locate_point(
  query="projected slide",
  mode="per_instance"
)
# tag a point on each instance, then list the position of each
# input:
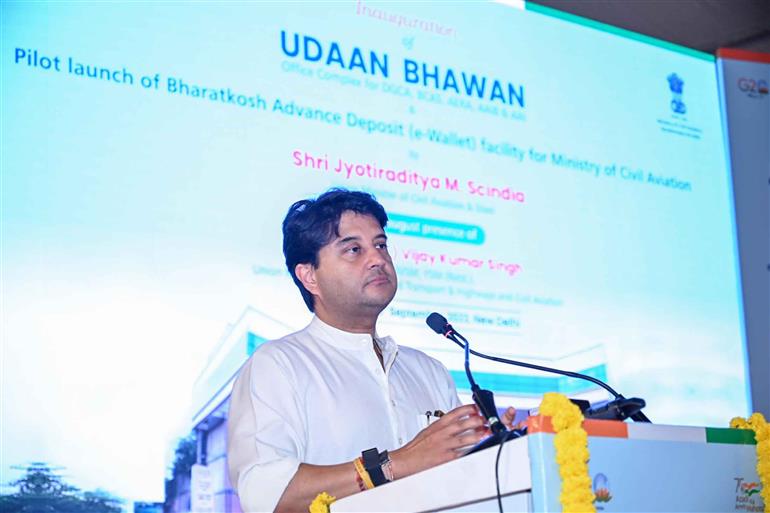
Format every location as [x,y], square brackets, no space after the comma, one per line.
[560,193]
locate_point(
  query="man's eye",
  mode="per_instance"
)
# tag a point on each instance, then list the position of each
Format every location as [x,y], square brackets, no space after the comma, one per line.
[382,245]
[353,249]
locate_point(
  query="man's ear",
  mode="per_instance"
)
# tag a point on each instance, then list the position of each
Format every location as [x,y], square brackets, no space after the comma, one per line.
[306,275]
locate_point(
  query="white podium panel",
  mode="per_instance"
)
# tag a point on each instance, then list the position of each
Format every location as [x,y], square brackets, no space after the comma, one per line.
[460,485]
[633,467]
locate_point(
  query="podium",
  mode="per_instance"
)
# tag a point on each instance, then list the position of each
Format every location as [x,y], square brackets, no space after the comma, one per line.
[633,467]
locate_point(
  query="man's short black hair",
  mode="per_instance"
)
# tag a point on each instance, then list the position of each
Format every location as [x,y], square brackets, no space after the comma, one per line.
[312,224]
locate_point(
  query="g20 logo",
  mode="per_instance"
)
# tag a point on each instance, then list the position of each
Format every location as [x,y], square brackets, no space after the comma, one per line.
[752,87]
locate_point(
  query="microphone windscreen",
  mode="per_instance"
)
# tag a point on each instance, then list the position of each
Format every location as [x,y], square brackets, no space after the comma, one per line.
[437,323]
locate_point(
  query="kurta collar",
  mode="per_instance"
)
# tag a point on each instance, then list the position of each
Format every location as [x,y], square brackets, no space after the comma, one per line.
[355,341]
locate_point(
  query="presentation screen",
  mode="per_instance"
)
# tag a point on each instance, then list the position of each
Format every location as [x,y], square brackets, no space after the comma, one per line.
[559,191]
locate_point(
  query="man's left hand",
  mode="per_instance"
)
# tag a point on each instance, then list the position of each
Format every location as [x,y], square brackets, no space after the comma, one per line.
[508,417]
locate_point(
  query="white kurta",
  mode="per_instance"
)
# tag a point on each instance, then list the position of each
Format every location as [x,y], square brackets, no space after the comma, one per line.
[320,396]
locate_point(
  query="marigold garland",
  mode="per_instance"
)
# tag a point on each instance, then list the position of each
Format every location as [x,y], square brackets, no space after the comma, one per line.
[571,443]
[321,503]
[761,429]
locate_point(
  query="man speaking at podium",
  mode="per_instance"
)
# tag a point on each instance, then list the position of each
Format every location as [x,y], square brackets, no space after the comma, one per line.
[336,407]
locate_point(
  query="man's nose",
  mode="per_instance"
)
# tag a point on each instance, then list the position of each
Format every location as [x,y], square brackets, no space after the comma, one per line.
[377,258]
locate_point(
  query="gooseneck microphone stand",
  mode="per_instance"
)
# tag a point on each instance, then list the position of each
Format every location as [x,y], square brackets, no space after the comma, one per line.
[484,399]
[620,408]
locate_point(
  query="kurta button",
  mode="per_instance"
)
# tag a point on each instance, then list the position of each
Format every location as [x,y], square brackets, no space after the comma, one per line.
[400,440]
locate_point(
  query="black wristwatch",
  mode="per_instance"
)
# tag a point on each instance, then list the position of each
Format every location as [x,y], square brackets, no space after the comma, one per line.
[373,465]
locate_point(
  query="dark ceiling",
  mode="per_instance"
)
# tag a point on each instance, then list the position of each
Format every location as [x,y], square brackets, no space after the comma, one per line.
[701,24]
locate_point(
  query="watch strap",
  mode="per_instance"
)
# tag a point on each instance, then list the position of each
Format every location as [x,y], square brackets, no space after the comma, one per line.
[373,466]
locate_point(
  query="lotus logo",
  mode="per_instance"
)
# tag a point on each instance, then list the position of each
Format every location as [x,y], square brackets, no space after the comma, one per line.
[676,84]
[602,488]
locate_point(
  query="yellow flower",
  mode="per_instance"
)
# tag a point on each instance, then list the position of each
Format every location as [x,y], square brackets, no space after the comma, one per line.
[321,503]
[571,444]
[739,423]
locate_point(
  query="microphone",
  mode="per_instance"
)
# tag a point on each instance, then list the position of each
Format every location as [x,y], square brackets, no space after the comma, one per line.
[439,324]
[620,408]
[484,399]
